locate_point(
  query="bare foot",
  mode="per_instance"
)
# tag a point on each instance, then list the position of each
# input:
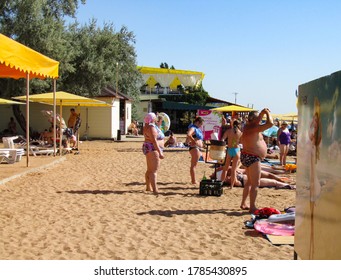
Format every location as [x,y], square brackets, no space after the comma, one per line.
[252,211]
[244,207]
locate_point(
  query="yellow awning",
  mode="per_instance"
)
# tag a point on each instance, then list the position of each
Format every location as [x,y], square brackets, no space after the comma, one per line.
[233,108]
[170,77]
[65,99]
[16,60]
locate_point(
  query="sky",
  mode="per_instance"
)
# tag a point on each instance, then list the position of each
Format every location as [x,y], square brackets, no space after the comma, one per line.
[254,52]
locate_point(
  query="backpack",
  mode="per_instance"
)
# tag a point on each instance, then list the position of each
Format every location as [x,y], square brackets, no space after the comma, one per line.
[77,124]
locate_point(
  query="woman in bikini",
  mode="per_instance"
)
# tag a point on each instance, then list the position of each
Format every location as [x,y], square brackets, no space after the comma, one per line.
[195,139]
[153,150]
[233,135]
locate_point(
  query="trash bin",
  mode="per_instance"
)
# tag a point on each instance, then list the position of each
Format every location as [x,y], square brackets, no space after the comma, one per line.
[118,135]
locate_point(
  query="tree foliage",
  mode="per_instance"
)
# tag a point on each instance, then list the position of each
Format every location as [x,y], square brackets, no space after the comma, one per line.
[101,57]
[90,57]
[38,24]
[165,66]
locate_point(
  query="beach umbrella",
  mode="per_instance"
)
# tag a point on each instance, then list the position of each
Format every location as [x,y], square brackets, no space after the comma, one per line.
[271,132]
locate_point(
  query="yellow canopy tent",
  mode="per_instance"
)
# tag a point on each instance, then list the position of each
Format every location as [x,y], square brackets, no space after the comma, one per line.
[233,108]
[63,98]
[170,77]
[18,61]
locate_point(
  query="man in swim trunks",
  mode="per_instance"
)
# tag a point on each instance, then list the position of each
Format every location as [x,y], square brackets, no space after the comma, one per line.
[254,151]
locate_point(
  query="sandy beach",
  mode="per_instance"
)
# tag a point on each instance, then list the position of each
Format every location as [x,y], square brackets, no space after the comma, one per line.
[92,206]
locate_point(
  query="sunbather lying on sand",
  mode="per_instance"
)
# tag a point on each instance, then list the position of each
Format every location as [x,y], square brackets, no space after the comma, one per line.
[242,181]
[264,174]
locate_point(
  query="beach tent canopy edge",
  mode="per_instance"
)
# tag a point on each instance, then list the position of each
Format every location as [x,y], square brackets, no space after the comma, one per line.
[16,60]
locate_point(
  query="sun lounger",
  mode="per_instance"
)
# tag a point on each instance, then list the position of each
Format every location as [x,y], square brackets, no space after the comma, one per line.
[35,151]
[15,155]
[4,157]
[8,142]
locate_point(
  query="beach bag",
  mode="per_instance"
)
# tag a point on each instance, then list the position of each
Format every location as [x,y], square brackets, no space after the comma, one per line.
[68,132]
[78,123]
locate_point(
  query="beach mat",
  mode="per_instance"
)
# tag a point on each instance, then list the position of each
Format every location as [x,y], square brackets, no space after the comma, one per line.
[280,240]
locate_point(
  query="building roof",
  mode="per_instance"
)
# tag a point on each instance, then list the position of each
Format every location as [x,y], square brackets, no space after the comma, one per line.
[109,91]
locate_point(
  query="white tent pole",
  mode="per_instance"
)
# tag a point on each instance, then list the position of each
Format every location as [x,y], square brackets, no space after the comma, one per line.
[54,119]
[79,112]
[27,119]
[60,127]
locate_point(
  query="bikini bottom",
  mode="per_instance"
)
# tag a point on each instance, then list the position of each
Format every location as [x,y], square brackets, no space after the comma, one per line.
[147,147]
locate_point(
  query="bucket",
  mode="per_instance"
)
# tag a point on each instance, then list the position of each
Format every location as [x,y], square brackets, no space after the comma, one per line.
[217,149]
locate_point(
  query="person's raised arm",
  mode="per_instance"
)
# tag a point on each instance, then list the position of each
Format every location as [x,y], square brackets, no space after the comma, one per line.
[269,121]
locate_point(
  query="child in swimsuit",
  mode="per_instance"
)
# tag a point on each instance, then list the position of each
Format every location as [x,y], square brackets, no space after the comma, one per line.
[195,138]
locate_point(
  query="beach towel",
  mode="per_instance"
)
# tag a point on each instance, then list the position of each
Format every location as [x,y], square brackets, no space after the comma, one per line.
[266,227]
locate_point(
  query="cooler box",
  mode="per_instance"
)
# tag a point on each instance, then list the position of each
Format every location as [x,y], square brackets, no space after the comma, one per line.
[211,188]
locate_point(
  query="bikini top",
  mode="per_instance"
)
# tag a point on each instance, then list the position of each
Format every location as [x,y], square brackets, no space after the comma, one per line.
[197,132]
[160,134]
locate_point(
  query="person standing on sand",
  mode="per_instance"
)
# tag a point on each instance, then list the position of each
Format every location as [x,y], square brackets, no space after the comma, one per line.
[72,119]
[233,135]
[284,139]
[152,149]
[254,151]
[195,139]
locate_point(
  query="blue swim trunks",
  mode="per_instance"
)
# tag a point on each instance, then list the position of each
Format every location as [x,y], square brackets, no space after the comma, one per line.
[232,152]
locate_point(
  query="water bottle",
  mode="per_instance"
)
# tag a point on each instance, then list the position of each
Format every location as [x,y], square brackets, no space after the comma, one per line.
[204,177]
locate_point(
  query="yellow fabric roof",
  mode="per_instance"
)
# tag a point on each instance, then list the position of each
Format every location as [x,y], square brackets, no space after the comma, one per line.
[154,70]
[65,99]
[233,108]
[170,77]
[16,60]
[8,102]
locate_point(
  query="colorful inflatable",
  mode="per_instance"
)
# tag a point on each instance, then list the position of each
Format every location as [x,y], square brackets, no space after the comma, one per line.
[267,227]
[165,122]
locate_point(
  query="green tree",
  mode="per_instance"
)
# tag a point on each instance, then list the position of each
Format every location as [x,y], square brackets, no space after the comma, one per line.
[38,24]
[164,65]
[101,57]
[90,57]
